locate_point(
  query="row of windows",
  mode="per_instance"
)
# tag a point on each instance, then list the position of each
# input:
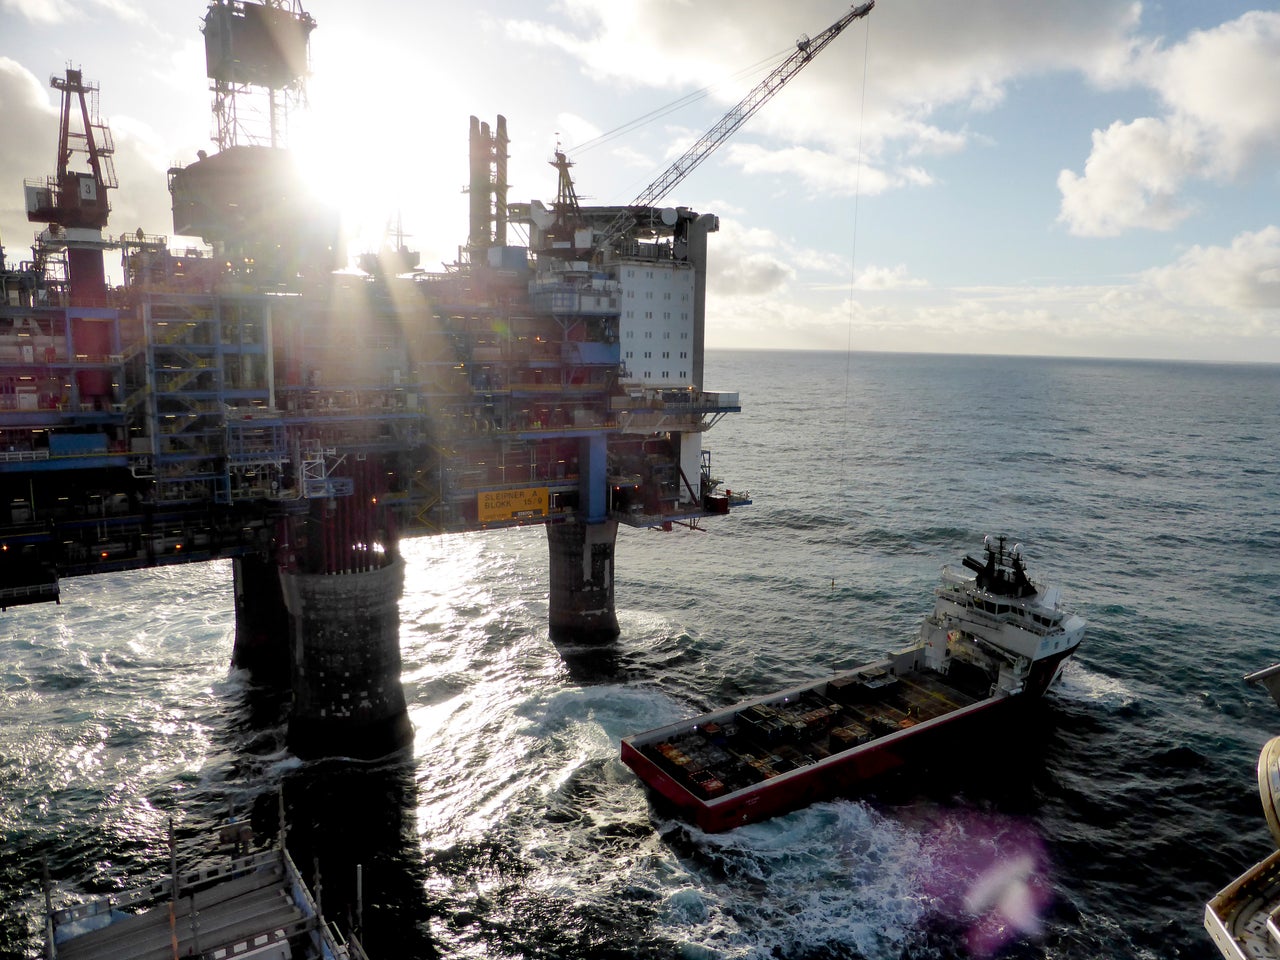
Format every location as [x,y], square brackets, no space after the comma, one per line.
[666,375]
[999,609]
[650,274]
[648,335]
[648,295]
[666,354]
[666,315]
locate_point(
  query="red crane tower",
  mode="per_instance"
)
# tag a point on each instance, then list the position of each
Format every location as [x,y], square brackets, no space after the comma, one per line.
[73,203]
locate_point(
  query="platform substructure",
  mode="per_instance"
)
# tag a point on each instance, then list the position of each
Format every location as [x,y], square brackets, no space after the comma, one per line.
[262,621]
[581,595]
[345,653]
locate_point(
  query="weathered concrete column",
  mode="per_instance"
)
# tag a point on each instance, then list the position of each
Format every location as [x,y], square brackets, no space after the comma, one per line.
[262,621]
[581,599]
[345,654]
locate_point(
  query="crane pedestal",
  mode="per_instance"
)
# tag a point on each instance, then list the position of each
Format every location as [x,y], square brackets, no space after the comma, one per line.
[581,597]
[345,658]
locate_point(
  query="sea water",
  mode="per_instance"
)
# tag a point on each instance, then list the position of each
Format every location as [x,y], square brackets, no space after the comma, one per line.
[1095,827]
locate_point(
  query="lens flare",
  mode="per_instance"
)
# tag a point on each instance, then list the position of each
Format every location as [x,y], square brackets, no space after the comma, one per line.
[990,875]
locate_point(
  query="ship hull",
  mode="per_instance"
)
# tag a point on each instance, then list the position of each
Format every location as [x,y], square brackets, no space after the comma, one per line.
[842,773]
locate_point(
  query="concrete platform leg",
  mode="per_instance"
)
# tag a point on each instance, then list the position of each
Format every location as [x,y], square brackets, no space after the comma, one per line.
[581,598]
[345,652]
[262,622]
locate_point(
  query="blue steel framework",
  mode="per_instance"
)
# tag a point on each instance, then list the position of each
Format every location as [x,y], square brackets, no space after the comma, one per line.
[253,402]
[237,400]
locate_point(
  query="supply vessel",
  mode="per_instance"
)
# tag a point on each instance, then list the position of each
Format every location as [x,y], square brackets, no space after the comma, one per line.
[994,637]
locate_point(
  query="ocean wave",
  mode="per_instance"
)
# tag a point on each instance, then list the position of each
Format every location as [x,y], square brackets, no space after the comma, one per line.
[1082,684]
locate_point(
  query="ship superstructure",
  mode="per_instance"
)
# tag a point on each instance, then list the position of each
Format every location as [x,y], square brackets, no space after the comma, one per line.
[998,616]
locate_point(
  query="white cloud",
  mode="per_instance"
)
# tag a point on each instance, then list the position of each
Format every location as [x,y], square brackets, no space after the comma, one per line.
[575,129]
[749,262]
[931,58]
[1213,303]
[630,158]
[1242,277]
[886,278]
[544,35]
[751,275]
[26,107]
[126,10]
[1131,179]
[822,172]
[930,140]
[737,235]
[825,262]
[21,92]
[754,262]
[1224,82]
[737,242]
[938,53]
[63,11]
[143,199]
[920,58]
[1222,116]
[39,11]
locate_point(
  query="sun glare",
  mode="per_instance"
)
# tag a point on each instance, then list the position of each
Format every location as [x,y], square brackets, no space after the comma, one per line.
[340,171]
[378,168]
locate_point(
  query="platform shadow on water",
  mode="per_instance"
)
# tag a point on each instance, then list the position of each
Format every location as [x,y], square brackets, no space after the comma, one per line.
[344,813]
[589,660]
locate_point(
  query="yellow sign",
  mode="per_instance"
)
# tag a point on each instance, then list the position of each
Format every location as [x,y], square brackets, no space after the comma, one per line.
[494,505]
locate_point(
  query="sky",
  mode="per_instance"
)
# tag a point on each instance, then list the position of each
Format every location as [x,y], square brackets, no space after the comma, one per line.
[1091,179]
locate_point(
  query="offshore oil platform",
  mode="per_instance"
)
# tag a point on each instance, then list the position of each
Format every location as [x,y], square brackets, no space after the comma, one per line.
[252,400]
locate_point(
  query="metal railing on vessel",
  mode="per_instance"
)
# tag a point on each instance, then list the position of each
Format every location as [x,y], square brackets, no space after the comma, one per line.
[955,587]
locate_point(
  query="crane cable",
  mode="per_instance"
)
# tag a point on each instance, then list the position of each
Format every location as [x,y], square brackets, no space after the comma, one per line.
[853,258]
[659,112]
